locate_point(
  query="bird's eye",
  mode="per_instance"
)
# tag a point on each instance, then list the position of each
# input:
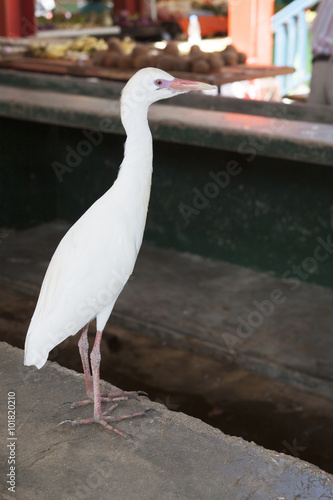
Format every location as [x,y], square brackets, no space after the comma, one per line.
[158,83]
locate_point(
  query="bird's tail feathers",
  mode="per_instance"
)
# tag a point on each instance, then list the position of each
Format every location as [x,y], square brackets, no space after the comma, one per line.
[32,357]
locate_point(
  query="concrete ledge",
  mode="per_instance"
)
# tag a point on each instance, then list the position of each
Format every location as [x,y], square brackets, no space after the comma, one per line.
[172,456]
[111,89]
[286,139]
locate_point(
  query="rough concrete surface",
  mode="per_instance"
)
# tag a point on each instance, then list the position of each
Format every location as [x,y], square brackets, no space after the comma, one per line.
[171,456]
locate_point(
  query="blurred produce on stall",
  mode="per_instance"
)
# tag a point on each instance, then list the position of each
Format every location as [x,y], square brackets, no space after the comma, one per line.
[168,59]
[80,48]
[75,41]
[127,54]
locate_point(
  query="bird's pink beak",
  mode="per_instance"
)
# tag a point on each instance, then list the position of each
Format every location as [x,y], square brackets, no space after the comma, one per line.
[187,85]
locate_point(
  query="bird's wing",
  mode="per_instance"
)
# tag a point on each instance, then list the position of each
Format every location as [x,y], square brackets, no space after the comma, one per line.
[84,278]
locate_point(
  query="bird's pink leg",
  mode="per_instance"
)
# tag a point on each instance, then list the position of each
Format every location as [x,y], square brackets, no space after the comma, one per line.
[99,416]
[95,358]
[106,397]
[83,349]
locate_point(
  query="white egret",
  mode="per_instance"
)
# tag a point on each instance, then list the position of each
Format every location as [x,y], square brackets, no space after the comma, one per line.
[95,258]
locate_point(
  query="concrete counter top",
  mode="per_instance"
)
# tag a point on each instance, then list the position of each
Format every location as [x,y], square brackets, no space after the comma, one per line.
[171,456]
[308,142]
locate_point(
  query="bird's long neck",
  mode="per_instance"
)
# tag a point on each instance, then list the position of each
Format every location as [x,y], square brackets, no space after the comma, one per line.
[132,186]
[138,156]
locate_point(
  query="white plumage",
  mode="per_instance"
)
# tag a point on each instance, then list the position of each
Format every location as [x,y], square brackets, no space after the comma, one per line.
[94,260]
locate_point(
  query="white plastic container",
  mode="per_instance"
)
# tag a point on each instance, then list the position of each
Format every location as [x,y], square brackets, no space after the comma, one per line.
[194,31]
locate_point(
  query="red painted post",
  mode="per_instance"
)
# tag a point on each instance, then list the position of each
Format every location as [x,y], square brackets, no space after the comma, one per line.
[249,26]
[132,6]
[17,18]
[10,18]
[28,20]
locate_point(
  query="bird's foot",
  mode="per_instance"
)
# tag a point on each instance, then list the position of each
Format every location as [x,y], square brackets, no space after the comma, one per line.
[104,419]
[107,397]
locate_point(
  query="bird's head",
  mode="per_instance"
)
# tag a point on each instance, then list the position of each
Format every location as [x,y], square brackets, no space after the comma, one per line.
[149,85]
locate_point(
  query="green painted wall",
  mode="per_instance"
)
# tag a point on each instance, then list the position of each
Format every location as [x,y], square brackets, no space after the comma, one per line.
[267,216]
[27,188]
